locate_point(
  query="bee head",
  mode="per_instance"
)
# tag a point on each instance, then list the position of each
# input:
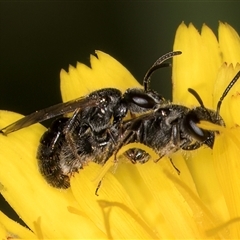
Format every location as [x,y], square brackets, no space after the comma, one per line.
[194,116]
[202,113]
[142,100]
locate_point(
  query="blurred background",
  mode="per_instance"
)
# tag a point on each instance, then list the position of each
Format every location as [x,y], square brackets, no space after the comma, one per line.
[38,38]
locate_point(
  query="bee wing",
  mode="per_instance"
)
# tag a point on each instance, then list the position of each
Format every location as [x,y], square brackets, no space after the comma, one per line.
[48,113]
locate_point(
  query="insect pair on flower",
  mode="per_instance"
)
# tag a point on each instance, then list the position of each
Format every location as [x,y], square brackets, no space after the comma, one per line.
[98,128]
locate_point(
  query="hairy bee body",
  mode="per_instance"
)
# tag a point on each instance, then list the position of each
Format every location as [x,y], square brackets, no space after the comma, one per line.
[98,129]
[58,160]
[171,127]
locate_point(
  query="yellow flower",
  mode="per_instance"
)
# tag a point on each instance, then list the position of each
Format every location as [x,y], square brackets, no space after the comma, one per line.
[208,65]
[148,201]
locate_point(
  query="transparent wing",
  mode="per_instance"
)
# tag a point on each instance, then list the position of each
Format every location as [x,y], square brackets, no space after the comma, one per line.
[50,112]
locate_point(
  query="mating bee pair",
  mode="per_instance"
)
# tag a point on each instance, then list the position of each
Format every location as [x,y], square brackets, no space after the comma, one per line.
[97,128]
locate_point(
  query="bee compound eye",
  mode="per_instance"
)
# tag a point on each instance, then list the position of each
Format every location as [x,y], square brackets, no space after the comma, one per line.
[190,125]
[142,100]
[138,100]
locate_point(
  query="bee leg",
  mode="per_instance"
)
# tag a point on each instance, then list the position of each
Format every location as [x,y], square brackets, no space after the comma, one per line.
[193,146]
[178,171]
[127,138]
[111,135]
[132,134]
[171,161]
[69,130]
[98,187]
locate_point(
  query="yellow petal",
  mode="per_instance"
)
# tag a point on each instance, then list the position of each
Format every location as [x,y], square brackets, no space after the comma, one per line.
[234,108]
[226,161]
[197,66]
[229,42]
[112,211]
[105,72]
[10,229]
[42,207]
[179,211]
[229,108]
[200,163]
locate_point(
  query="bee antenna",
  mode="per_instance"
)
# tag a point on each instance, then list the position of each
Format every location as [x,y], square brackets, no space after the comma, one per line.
[196,95]
[230,85]
[158,64]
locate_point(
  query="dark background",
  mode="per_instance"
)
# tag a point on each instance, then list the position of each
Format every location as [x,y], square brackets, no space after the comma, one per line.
[38,38]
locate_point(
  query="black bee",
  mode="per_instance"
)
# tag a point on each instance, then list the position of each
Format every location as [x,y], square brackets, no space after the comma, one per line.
[170,127]
[93,131]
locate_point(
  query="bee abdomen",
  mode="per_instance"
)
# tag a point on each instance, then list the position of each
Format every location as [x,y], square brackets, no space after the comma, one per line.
[48,155]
